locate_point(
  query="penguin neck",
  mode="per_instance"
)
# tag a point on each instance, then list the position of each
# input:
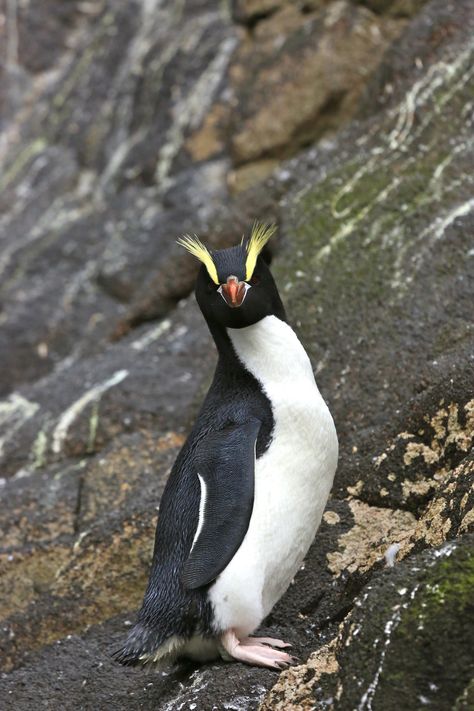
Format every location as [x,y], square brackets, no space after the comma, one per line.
[228,359]
[271,352]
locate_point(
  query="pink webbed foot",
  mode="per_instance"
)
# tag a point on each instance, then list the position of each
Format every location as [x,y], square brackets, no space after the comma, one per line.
[255,651]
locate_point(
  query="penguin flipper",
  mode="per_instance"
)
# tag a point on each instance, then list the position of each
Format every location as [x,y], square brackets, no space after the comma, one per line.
[225,465]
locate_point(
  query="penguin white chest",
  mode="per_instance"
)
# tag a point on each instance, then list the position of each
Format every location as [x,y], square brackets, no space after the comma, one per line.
[292,479]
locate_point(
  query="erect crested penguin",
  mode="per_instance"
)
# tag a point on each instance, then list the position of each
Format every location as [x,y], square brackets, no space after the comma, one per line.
[247,491]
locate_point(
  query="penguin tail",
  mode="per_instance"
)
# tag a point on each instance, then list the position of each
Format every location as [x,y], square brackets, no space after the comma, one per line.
[144,646]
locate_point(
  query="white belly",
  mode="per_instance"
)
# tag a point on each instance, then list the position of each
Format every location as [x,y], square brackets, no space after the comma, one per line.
[292,479]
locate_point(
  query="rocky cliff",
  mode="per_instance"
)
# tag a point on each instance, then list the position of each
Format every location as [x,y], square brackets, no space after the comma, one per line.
[125,124]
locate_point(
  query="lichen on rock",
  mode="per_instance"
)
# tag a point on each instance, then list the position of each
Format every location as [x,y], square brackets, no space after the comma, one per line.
[374,531]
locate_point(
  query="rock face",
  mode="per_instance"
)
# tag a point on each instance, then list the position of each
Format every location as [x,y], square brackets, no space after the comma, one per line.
[147,120]
[321,66]
[396,661]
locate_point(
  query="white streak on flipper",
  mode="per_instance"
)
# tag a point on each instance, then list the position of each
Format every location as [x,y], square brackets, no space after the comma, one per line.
[74,410]
[202,510]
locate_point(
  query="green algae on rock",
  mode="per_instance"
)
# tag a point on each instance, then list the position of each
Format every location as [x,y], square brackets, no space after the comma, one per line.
[419,647]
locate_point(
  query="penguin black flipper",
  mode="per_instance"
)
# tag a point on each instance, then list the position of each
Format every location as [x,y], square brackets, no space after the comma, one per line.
[225,464]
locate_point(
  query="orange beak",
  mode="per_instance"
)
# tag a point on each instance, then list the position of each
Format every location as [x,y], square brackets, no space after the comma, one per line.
[233,292]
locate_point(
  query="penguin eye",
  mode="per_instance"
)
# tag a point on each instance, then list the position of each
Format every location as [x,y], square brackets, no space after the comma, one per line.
[254,280]
[211,287]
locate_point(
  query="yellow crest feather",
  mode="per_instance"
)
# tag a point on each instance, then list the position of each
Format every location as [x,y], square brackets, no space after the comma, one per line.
[259,236]
[197,249]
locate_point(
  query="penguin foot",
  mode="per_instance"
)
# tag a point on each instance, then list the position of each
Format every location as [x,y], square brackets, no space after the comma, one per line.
[255,651]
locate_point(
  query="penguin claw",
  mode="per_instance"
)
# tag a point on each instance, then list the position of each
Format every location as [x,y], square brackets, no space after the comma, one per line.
[256,651]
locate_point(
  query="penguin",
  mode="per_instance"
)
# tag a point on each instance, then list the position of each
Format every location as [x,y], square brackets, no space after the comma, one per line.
[248,489]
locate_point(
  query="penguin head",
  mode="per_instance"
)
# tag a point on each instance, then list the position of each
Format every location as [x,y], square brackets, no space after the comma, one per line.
[234,287]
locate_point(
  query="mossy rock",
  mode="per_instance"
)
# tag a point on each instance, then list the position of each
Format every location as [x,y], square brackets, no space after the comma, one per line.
[409,642]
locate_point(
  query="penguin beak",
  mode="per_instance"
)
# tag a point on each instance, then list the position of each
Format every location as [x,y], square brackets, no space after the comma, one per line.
[234,292]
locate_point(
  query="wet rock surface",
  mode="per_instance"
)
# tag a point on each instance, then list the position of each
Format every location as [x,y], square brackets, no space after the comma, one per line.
[147,120]
[405,644]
